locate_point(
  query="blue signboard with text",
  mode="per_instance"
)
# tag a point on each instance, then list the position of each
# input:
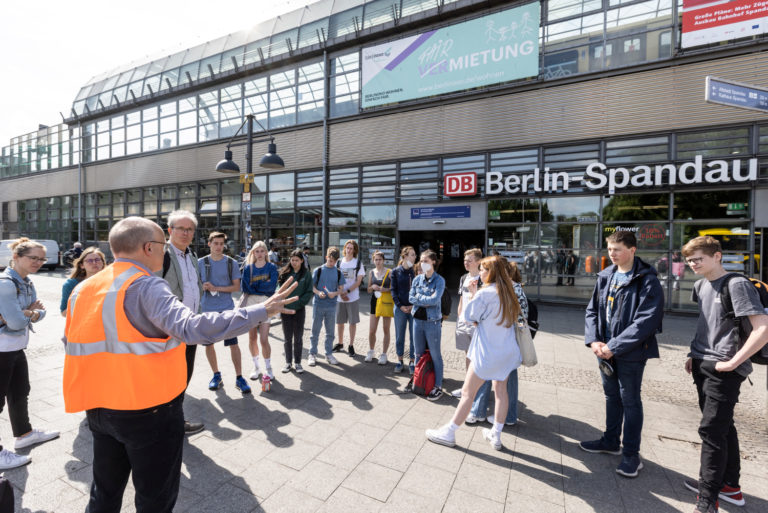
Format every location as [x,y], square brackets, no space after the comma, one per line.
[735,94]
[454,212]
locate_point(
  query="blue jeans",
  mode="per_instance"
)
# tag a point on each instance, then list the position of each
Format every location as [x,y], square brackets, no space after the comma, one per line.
[480,406]
[623,404]
[320,316]
[426,335]
[403,320]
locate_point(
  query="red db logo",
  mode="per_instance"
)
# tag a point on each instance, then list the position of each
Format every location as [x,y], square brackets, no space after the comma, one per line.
[460,184]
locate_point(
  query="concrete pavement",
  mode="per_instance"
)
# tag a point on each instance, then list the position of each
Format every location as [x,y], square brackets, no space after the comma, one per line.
[346,439]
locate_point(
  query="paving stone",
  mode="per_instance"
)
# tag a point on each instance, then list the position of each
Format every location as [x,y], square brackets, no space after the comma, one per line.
[344,454]
[263,478]
[482,481]
[530,502]
[373,480]
[318,479]
[428,481]
[345,500]
[289,500]
[392,455]
[463,502]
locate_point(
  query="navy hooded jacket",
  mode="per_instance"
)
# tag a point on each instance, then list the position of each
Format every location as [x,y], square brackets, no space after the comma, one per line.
[637,313]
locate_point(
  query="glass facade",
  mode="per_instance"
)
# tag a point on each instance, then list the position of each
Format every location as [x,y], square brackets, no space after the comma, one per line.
[537,230]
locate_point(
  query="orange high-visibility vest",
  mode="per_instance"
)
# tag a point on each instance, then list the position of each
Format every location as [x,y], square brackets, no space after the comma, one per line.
[108,362]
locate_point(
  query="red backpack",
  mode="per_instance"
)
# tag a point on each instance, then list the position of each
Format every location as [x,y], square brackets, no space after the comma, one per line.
[424,375]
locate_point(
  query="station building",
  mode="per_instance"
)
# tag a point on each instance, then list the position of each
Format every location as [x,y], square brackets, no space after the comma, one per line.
[534,129]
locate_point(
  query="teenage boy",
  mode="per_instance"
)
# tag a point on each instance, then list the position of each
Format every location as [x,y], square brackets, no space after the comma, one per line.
[349,300]
[221,277]
[464,330]
[622,319]
[719,362]
[327,284]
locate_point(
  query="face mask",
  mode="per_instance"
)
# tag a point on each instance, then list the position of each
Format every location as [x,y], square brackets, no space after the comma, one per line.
[426,267]
[407,264]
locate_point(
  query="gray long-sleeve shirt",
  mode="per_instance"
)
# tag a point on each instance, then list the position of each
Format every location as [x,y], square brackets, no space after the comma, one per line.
[152,309]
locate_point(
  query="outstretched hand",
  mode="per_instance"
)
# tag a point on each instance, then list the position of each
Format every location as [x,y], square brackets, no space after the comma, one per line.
[279,299]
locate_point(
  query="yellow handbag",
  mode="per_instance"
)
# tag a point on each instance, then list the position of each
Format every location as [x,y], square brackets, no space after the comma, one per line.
[385,305]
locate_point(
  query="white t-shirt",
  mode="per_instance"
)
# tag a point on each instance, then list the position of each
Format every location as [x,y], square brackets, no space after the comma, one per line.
[348,269]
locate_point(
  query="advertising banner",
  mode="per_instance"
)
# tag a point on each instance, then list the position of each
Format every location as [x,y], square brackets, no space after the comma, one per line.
[496,48]
[711,22]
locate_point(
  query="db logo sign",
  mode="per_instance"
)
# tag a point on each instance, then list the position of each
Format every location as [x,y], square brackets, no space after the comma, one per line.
[460,184]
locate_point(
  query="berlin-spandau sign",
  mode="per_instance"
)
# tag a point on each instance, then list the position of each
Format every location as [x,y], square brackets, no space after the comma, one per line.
[598,176]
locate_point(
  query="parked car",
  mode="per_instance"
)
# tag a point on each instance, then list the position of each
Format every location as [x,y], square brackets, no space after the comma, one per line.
[5,253]
[52,253]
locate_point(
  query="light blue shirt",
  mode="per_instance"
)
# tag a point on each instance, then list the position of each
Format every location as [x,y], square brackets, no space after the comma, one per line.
[152,309]
[219,277]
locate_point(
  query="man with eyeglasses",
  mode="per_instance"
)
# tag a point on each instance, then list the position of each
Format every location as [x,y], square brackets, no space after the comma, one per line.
[621,323]
[181,272]
[726,336]
[126,366]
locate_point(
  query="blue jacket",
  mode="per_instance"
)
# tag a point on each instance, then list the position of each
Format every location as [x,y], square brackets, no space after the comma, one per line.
[16,294]
[401,285]
[637,313]
[427,293]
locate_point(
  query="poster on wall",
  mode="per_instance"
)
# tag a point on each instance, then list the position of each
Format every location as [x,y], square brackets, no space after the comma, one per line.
[706,21]
[496,48]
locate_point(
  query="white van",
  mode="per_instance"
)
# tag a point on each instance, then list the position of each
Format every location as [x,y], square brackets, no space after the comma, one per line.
[52,253]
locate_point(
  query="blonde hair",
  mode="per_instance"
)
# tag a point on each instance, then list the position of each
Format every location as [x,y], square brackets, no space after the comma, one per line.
[498,273]
[355,247]
[78,271]
[705,243]
[21,246]
[251,258]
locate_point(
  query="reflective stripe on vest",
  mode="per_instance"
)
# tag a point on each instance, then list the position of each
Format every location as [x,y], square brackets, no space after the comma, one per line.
[108,362]
[112,344]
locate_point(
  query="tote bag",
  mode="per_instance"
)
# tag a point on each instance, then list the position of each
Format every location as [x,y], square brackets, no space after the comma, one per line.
[385,305]
[525,343]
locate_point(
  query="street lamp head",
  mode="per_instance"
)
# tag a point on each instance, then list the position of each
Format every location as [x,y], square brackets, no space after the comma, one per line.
[272,160]
[227,165]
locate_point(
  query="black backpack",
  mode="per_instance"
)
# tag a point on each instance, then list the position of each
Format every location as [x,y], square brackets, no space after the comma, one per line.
[760,357]
[446,303]
[207,266]
[357,269]
[533,318]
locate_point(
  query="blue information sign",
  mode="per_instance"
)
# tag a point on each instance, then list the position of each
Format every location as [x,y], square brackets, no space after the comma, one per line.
[735,94]
[457,212]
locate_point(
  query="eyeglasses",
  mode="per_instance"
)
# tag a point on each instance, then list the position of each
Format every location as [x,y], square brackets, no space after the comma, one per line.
[165,244]
[185,231]
[692,261]
[93,261]
[36,259]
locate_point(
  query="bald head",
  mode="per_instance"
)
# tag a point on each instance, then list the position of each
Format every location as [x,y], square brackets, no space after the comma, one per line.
[130,235]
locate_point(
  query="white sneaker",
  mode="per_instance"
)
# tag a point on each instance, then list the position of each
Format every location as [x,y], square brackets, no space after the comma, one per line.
[268,372]
[383,359]
[9,460]
[493,438]
[369,356]
[442,436]
[491,419]
[255,374]
[456,393]
[37,436]
[332,360]
[471,419]
[286,368]
[312,360]
[299,368]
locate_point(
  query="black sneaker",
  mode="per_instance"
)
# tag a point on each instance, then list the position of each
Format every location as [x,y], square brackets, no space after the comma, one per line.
[408,387]
[599,446]
[435,394]
[190,428]
[338,347]
[351,350]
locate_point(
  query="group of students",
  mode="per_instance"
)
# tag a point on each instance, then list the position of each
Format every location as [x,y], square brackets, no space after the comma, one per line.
[621,323]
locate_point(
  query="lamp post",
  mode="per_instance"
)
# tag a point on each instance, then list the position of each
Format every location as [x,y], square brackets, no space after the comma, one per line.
[271,160]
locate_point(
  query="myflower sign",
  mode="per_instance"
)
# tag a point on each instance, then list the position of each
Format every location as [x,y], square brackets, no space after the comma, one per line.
[496,48]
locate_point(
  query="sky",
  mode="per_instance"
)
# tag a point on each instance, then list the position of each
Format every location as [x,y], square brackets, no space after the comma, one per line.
[49,49]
